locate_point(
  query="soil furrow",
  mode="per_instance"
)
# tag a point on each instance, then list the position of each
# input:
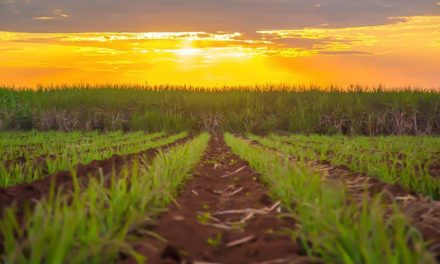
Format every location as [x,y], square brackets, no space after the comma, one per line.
[423,212]
[224,215]
[28,193]
[432,164]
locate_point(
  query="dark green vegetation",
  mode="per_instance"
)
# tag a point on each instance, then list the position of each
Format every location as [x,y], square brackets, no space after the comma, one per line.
[175,109]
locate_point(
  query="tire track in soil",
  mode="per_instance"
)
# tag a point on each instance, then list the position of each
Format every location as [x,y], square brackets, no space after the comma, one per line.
[199,229]
[26,194]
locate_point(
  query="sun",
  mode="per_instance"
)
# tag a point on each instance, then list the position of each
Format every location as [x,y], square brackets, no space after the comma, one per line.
[188,52]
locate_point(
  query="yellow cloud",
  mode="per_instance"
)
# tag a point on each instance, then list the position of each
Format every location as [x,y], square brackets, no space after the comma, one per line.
[43,18]
[410,33]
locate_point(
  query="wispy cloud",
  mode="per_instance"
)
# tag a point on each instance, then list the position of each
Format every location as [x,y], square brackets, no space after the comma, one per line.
[364,40]
[410,32]
[43,18]
[55,15]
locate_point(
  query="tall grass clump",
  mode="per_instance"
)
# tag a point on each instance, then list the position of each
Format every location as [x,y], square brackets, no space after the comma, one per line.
[330,227]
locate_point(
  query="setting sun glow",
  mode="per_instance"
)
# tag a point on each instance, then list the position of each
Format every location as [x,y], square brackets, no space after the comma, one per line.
[404,52]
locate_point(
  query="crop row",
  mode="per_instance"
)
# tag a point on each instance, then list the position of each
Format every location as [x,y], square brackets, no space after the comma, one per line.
[51,141]
[60,142]
[422,146]
[99,223]
[24,139]
[331,227]
[32,169]
[410,167]
[238,109]
[95,225]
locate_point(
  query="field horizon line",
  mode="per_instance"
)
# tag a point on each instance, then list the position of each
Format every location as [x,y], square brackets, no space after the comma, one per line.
[269,87]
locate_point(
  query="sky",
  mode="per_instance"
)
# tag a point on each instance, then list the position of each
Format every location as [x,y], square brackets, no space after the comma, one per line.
[220,42]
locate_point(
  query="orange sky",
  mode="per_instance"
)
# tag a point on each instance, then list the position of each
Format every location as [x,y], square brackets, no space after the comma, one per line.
[403,52]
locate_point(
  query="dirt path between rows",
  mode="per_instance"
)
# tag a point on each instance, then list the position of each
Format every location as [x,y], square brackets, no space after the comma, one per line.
[224,215]
[28,194]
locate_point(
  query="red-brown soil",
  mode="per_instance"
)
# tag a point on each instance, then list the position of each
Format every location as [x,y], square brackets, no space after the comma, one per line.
[434,171]
[24,194]
[423,212]
[200,228]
